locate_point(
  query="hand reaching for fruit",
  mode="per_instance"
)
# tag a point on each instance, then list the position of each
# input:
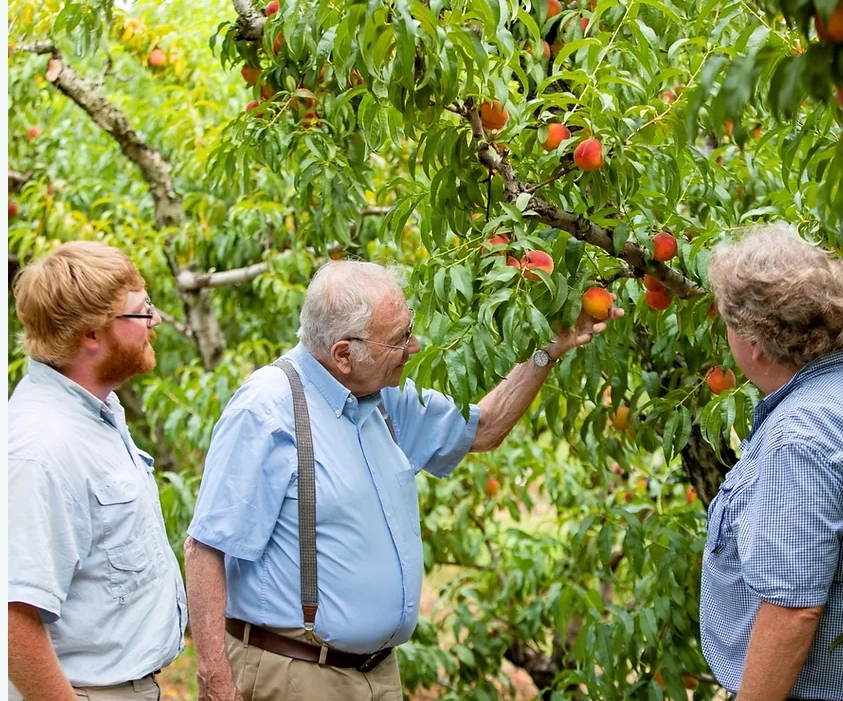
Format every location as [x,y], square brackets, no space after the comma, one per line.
[585,327]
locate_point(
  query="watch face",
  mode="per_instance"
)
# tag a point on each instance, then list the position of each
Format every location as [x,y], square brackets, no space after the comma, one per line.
[541,358]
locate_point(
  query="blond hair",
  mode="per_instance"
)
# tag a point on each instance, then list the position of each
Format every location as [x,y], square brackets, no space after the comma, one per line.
[784,293]
[78,287]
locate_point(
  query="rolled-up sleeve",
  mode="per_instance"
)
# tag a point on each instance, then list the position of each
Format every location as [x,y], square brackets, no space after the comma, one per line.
[49,532]
[247,472]
[790,545]
[433,433]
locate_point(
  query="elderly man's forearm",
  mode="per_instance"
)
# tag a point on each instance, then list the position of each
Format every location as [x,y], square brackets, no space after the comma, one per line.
[781,639]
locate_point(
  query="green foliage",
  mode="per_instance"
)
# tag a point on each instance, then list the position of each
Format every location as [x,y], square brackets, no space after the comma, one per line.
[713,116]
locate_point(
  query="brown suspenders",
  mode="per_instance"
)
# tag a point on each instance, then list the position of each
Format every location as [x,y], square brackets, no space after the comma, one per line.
[307,491]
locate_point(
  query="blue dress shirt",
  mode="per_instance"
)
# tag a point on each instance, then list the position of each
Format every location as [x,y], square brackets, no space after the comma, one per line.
[369,550]
[87,544]
[775,530]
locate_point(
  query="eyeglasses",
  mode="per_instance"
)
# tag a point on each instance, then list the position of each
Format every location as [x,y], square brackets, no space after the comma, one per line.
[408,336]
[149,315]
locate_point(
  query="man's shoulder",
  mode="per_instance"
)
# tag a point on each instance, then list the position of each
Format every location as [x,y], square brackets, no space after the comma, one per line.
[265,393]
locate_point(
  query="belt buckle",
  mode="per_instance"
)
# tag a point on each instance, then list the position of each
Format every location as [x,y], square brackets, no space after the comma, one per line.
[370,662]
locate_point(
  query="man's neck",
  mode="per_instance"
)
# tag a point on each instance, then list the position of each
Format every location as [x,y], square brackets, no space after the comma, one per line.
[86,379]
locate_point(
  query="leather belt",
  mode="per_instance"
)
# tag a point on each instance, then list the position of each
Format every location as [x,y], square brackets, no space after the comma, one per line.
[298,650]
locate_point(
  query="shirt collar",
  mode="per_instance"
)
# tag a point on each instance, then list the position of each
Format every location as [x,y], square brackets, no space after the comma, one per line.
[805,374]
[43,374]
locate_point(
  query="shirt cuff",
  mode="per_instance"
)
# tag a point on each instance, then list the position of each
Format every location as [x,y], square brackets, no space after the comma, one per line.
[47,603]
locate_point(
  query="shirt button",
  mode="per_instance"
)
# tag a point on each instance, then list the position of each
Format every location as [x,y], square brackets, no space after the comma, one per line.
[388,515]
[348,400]
[338,412]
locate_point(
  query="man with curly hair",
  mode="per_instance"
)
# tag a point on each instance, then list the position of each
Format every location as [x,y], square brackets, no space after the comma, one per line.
[771,609]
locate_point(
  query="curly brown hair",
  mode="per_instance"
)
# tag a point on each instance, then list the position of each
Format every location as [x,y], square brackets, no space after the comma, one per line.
[782,292]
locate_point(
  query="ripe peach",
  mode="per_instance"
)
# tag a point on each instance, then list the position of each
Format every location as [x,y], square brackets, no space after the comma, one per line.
[658,301]
[267,91]
[718,381]
[493,486]
[664,246]
[272,7]
[597,303]
[588,155]
[253,104]
[513,262]
[498,240]
[620,419]
[584,24]
[833,31]
[251,74]
[556,134]
[554,7]
[157,58]
[278,43]
[355,78]
[691,497]
[545,49]
[493,115]
[536,260]
[32,133]
[13,209]
[652,284]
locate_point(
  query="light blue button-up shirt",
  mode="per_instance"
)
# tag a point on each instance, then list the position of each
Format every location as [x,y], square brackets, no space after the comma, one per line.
[87,544]
[369,550]
[775,530]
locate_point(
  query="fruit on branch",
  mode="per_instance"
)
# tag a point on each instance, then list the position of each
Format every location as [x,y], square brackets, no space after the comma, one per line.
[620,419]
[32,133]
[157,58]
[597,303]
[498,240]
[253,104]
[354,78]
[588,156]
[13,209]
[659,301]
[554,7]
[536,260]
[584,24]
[267,91]
[278,43]
[513,262]
[718,381]
[833,31]
[652,284]
[493,115]
[691,497]
[251,74]
[664,246]
[271,8]
[493,486]
[556,134]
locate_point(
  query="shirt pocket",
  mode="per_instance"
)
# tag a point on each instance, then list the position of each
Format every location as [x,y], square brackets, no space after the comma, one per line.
[407,483]
[132,566]
[717,528]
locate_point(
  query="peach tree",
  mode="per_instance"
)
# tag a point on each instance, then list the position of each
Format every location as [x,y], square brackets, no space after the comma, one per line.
[230,148]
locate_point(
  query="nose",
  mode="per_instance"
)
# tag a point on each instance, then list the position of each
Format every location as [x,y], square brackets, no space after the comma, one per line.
[156,318]
[414,346]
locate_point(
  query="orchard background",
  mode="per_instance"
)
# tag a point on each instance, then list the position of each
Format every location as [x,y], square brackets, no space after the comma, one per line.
[230,152]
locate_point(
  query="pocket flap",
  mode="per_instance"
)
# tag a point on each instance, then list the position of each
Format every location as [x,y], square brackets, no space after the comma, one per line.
[132,558]
[116,491]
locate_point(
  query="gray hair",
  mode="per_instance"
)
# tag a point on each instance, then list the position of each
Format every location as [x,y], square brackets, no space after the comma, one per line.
[340,301]
[784,293]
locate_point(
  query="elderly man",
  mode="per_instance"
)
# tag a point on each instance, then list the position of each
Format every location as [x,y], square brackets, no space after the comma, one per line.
[772,587]
[96,600]
[369,439]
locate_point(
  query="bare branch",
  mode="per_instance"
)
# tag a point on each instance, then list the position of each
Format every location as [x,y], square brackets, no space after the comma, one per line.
[574,224]
[39,47]
[18,180]
[177,325]
[189,280]
[250,22]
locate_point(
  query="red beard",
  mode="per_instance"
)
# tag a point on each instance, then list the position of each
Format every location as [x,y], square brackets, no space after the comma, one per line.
[123,362]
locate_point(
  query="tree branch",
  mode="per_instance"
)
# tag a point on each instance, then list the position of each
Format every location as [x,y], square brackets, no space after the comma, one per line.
[250,22]
[190,280]
[177,325]
[577,226]
[18,180]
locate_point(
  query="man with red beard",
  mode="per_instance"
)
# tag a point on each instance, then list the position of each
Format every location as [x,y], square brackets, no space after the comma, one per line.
[96,599]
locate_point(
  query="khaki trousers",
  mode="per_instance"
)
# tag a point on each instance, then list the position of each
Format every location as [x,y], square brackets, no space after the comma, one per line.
[265,676]
[145,689]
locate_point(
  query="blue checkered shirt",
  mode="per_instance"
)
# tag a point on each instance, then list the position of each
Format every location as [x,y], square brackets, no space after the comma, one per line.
[775,530]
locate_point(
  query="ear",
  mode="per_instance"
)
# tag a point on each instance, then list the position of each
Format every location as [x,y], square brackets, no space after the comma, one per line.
[341,356]
[91,339]
[758,352]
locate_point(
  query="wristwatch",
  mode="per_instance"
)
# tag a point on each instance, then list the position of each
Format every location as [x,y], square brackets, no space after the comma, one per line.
[542,358]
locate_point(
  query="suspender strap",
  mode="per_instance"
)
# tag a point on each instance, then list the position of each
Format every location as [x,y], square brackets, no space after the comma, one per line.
[307,496]
[388,420]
